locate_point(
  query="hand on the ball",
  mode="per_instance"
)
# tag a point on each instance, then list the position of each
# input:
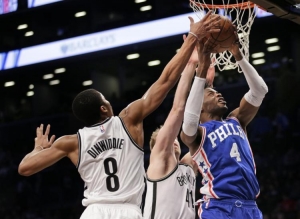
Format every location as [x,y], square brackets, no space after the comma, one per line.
[41,139]
[204,61]
[210,46]
[235,47]
[205,25]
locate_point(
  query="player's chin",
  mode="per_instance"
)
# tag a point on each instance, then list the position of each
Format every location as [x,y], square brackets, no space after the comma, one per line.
[222,104]
[223,108]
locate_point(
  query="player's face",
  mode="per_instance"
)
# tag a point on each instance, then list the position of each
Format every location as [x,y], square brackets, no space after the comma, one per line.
[214,102]
[176,145]
[108,106]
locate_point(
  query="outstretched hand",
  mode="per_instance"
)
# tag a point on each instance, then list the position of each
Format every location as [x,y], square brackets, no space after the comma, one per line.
[204,61]
[41,139]
[203,54]
[205,25]
[211,73]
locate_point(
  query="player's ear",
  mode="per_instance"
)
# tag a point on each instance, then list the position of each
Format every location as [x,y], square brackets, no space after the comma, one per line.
[103,109]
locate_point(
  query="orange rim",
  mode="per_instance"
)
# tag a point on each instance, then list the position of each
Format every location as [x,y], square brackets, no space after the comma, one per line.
[243,5]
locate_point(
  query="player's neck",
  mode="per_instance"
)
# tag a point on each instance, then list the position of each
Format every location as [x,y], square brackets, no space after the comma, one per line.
[205,117]
[177,157]
[103,118]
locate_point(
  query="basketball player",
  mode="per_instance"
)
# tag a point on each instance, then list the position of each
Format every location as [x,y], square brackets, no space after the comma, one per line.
[220,146]
[171,181]
[108,152]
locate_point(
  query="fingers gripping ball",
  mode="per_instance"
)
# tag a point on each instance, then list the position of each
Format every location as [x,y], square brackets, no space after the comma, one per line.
[221,41]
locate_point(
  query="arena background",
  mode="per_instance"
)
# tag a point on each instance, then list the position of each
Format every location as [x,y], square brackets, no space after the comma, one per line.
[56,192]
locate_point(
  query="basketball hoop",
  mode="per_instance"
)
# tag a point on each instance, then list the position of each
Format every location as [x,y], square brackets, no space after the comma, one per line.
[241,13]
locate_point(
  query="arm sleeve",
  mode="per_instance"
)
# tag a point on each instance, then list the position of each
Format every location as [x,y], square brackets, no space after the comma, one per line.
[193,107]
[257,85]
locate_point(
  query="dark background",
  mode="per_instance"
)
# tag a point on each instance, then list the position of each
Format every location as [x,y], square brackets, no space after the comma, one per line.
[57,191]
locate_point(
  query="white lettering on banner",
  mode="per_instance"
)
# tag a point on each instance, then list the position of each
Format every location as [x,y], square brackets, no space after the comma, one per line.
[94,42]
[100,41]
[106,39]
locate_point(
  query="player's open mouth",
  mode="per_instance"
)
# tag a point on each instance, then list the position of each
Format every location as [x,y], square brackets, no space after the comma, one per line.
[221,100]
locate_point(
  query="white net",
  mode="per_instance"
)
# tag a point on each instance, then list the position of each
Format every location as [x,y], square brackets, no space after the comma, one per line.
[242,14]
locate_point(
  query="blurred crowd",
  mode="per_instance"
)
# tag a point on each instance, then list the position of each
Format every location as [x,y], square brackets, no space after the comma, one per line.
[57,191]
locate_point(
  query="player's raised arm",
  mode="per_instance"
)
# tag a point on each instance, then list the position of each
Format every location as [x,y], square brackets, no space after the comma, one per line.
[190,131]
[141,108]
[47,152]
[162,153]
[251,101]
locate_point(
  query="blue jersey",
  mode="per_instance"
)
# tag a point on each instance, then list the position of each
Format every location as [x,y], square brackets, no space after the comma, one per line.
[226,162]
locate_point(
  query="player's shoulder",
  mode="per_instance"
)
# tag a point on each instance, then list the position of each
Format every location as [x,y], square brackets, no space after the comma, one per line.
[72,137]
[67,142]
[185,165]
[130,108]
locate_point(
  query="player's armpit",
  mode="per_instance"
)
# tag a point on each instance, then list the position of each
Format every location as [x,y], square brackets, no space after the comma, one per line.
[244,113]
[188,159]
[192,142]
[40,159]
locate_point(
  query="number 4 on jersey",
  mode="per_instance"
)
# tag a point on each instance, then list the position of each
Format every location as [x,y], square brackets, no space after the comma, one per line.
[234,152]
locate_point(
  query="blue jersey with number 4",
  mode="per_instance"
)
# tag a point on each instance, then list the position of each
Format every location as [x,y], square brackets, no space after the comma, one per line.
[226,162]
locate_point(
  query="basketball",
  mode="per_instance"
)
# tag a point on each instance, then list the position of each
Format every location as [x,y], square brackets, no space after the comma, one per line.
[224,38]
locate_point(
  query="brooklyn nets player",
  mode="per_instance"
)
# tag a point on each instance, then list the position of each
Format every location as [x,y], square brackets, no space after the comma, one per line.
[170,182]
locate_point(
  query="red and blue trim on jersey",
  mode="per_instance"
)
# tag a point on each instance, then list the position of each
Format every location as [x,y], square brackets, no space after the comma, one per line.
[226,162]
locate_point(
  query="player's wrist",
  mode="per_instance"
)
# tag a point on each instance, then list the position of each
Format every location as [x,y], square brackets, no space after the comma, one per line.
[192,63]
[191,33]
[202,68]
[38,148]
[202,72]
[237,55]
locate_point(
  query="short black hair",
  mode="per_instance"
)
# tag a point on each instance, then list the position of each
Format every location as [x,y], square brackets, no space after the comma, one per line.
[208,86]
[86,106]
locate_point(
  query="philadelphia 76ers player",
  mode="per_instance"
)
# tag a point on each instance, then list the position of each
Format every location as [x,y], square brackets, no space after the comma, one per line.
[221,148]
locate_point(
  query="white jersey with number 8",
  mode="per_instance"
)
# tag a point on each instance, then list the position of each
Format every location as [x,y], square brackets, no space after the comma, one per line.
[111,164]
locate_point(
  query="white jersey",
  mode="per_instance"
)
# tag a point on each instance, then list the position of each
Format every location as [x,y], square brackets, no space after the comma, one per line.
[111,164]
[173,196]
